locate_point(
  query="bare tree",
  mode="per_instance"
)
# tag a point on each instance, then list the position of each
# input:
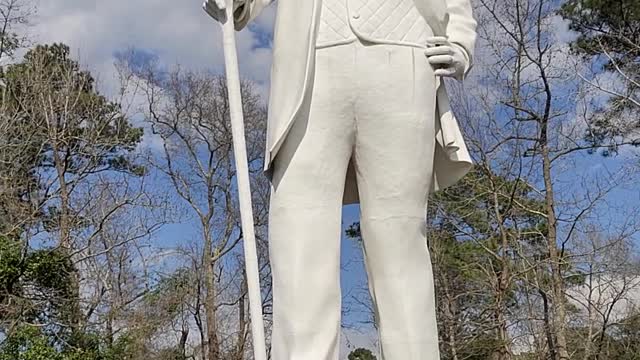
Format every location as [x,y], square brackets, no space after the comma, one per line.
[189,114]
[525,125]
[68,145]
[14,17]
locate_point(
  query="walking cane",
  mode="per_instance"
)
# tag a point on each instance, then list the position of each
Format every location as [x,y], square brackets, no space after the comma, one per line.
[242,174]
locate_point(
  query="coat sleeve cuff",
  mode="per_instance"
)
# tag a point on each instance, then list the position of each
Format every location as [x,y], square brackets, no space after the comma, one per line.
[467,64]
[241,13]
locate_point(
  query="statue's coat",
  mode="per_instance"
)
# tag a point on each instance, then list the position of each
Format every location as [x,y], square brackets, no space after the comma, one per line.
[292,75]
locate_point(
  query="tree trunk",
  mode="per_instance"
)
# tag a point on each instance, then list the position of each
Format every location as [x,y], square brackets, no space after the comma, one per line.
[213,347]
[503,352]
[66,242]
[182,345]
[242,320]
[449,322]
[590,310]
[548,327]
[557,282]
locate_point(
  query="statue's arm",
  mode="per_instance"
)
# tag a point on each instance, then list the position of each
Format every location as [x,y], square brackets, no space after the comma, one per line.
[249,10]
[461,28]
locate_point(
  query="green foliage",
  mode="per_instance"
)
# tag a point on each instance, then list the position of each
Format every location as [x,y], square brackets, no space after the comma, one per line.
[56,120]
[62,129]
[609,34]
[34,343]
[621,341]
[52,93]
[28,343]
[479,204]
[612,23]
[361,354]
[49,269]
[178,283]
[11,266]
[484,216]
[481,347]
[37,280]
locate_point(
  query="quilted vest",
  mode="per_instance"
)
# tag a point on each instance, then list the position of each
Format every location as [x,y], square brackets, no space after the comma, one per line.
[379,21]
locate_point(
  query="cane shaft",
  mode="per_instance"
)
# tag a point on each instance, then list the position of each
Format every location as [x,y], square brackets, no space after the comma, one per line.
[242,176]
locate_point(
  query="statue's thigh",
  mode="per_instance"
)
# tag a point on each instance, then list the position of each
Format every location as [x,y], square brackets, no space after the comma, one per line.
[395,126]
[312,162]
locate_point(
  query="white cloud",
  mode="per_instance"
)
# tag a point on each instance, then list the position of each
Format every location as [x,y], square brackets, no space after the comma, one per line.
[614,294]
[561,29]
[178,32]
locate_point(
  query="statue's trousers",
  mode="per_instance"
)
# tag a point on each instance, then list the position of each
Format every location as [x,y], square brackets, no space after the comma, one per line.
[374,104]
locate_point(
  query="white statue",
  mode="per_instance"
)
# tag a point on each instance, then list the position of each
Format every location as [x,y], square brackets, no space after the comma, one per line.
[358,112]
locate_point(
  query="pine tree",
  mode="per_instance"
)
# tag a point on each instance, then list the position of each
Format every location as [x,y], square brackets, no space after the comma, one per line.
[610,37]
[361,354]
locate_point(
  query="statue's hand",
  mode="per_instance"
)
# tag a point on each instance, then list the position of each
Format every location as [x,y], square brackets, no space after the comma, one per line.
[447,58]
[217,8]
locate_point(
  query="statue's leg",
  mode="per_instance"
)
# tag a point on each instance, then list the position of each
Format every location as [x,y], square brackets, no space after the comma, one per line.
[305,216]
[394,151]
